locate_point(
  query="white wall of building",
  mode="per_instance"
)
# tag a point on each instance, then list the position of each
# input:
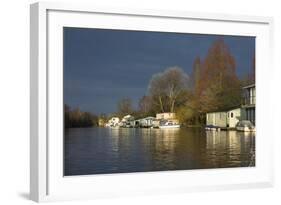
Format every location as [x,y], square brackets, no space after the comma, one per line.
[216,119]
[166,116]
[225,119]
[234,116]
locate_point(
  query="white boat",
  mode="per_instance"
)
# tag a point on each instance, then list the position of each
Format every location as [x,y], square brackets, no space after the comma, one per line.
[169,124]
[212,128]
[245,126]
[111,125]
[114,127]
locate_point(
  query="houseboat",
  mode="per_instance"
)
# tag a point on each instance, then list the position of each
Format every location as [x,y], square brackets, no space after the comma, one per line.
[168,124]
[127,121]
[225,119]
[146,122]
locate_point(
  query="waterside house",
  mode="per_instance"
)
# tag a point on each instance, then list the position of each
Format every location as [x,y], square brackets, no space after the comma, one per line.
[164,117]
[127,121]
[147,122]
[226,118]
[216,118]
[167,116]
[249,102]
[230,118]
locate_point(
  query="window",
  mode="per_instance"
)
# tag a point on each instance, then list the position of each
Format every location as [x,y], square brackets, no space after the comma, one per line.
[231,115]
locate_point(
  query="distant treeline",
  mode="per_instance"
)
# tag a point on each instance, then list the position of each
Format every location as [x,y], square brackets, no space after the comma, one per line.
[77,118]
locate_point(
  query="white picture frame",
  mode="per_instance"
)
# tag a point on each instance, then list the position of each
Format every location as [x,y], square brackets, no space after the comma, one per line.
[47,182]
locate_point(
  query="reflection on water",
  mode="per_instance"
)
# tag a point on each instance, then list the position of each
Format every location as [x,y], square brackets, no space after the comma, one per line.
[105,150]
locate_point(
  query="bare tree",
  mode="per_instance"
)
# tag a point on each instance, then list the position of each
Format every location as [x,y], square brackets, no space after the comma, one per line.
[125,106]
[145,104]
[166,87]
[156,90]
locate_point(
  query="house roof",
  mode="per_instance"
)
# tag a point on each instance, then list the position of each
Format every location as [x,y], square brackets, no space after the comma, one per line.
[225,110]
[148,118]
[165,113]
[249,86]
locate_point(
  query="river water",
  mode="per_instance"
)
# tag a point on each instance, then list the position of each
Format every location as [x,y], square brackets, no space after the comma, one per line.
[112,150]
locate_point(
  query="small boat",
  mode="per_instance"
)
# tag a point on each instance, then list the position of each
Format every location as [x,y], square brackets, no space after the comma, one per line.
[212,127]
[169,124]
[107,125]
[114,127]
[111,125]
[245,126]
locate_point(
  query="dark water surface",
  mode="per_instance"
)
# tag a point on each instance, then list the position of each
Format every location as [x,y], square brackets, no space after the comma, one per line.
[107,150]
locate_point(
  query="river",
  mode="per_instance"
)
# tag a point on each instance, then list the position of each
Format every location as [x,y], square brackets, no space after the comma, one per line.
[112,150]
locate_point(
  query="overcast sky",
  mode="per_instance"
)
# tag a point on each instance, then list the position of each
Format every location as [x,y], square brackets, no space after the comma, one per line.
[103,66]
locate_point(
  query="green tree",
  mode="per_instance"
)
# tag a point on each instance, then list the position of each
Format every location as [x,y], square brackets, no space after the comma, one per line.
[77,118]
[185,115]
[67,122]
[156,90]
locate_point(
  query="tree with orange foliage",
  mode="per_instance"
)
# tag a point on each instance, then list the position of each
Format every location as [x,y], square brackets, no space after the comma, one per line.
[219,87]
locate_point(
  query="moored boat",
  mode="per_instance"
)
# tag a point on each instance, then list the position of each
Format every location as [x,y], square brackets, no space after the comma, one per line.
[169,124]
[212,127]
[245,126]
